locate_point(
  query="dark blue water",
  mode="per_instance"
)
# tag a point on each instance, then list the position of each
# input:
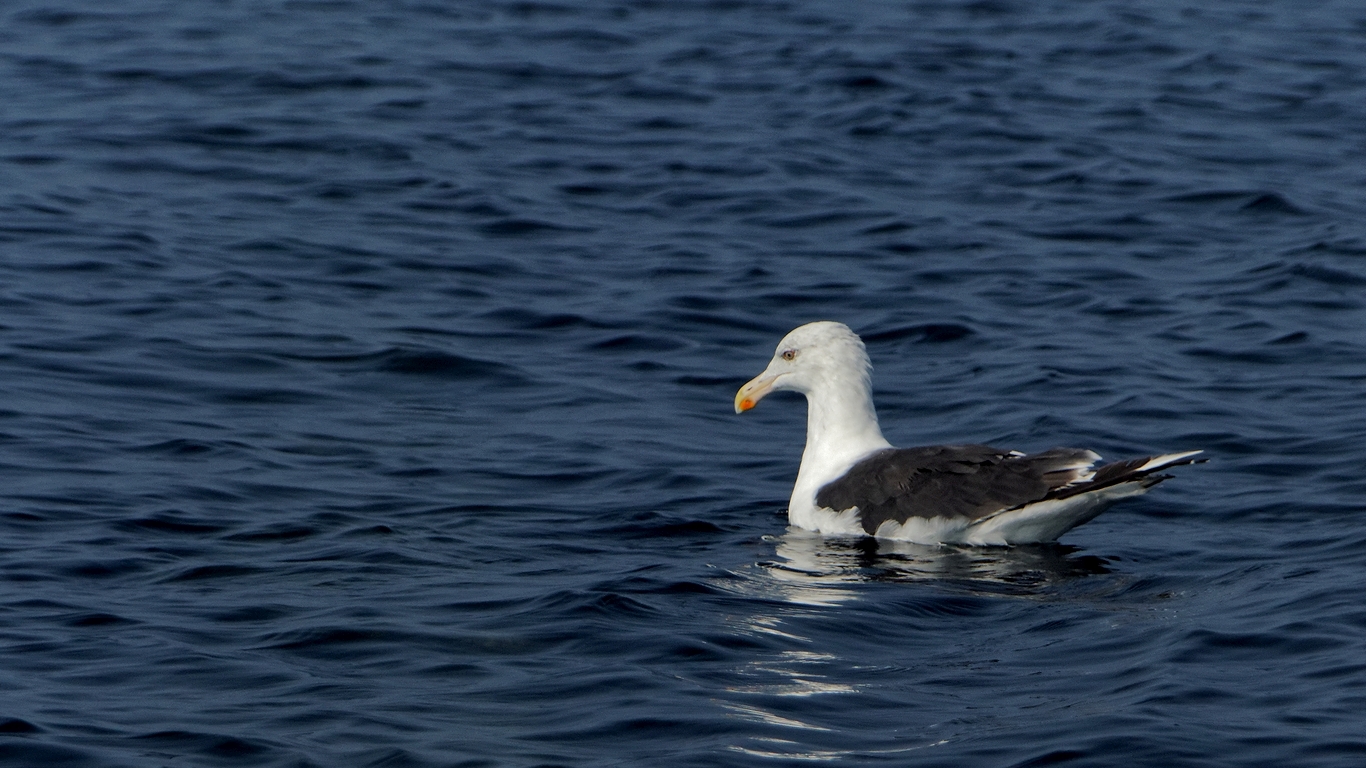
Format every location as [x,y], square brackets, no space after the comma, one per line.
[366,374]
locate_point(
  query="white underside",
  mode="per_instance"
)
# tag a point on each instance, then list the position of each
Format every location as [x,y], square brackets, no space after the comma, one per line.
[1043,521]
[826,520]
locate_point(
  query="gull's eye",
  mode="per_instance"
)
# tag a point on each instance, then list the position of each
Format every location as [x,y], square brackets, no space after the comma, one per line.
[789,355]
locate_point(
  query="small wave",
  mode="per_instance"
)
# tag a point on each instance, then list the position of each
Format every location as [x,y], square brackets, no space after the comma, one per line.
[168,524]
[933,333]
[208,744]
[514,227]
[16,726]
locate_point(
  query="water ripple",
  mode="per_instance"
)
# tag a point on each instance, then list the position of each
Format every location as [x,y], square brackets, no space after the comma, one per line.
[368,375]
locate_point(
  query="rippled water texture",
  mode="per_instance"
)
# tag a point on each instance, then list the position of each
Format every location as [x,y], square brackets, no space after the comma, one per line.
[365,388]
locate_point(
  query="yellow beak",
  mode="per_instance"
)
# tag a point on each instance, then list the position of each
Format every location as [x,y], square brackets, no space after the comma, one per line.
[753,391]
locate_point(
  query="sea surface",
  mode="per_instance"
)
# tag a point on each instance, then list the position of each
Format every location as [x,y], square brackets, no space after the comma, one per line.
[366,377]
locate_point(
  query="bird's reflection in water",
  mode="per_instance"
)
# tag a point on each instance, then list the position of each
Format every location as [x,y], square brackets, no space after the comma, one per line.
[813,564]
[812,574]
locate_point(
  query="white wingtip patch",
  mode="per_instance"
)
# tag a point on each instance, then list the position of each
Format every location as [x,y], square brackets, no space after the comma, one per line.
[1158,462]
[1083,469]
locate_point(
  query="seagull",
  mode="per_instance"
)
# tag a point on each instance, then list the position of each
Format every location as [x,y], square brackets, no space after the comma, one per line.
[853,482]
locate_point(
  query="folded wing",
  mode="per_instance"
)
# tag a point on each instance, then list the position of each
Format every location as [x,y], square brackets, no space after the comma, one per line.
[974,482]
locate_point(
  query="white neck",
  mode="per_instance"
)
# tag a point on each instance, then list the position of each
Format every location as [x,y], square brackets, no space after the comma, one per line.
[841,428]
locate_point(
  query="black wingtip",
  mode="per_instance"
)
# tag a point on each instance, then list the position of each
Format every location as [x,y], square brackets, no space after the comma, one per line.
[1127,471]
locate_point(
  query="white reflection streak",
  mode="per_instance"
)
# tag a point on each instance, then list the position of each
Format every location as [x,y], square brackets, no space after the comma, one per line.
[794,681]
[758,715]
[824,755]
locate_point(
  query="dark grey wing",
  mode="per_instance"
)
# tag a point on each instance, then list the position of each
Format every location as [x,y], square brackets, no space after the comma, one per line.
[970,481]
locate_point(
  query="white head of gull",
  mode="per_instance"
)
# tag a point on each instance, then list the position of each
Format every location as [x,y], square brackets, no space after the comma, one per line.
[853,482]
